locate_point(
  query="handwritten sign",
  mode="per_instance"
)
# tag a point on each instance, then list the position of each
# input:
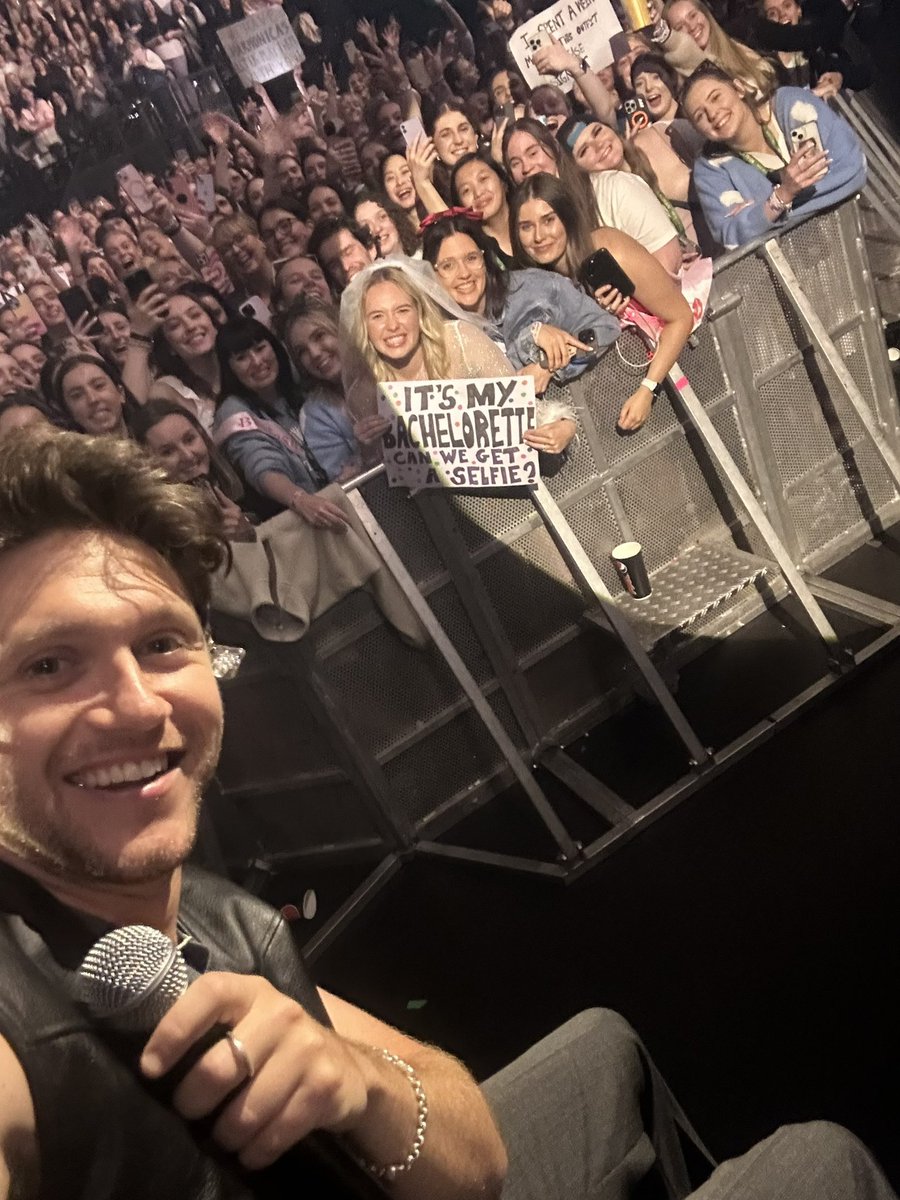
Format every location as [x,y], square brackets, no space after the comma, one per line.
[262,46]
[459,433]
[582,26]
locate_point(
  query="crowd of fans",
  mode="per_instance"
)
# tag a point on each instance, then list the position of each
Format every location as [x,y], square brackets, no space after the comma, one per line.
[426,217]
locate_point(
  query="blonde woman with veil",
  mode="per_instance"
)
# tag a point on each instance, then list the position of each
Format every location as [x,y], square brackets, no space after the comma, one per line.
[403,325]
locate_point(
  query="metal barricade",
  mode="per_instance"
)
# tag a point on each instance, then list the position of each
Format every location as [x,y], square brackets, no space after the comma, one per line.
[775,460]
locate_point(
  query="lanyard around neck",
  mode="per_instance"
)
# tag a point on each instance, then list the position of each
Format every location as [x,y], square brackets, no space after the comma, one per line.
[772,143]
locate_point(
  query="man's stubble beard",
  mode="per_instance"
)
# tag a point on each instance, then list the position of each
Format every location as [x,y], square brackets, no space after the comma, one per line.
[57,847]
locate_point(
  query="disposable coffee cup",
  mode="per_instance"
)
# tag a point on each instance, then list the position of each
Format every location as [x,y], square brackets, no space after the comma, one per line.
[629,563]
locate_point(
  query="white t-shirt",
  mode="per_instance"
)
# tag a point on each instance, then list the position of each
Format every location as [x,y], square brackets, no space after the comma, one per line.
[626,202]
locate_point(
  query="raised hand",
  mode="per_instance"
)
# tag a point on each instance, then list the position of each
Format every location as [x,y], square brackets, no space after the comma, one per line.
[808,164]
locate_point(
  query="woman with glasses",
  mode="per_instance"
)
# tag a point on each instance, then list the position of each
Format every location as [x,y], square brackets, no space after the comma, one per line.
[244,255]
[546,325]
[284,233]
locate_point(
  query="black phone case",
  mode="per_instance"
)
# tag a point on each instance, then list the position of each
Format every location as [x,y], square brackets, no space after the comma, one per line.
[602,270]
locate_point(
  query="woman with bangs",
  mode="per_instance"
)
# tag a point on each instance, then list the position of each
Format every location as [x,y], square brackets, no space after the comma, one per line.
[549,231]
[172,352]
[258,423]
[395,317]
[695,18]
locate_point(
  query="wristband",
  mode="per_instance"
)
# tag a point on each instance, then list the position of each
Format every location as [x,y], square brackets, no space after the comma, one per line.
[780,206]
[585,68]
[651,385]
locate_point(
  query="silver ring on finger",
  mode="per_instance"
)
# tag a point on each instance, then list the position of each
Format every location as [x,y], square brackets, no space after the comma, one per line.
[241,1057]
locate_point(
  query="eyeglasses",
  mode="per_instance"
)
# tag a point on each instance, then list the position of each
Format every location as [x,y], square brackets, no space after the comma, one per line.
[449,268]
[282,227]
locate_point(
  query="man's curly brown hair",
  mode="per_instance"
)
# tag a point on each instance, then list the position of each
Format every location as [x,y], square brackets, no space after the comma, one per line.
[52,481]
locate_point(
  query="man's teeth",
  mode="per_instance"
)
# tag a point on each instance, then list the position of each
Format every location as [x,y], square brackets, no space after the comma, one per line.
[129,772]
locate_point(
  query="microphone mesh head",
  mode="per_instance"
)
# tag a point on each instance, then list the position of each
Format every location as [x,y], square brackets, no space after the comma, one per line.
[132,976]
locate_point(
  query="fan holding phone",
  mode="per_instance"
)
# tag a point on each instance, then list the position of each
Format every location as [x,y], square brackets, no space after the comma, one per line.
[767,164]
[549,230]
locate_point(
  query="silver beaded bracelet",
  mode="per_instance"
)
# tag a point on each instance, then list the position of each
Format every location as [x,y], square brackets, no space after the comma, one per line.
[390,1173]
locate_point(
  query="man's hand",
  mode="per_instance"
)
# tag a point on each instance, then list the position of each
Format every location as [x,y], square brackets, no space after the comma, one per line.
[305,1076]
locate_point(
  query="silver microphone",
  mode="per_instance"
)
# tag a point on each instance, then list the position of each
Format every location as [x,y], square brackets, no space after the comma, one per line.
[132,976]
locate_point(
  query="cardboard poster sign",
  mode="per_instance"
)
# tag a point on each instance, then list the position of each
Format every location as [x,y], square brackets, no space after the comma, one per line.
[459,433]
[582,26]
[262,46]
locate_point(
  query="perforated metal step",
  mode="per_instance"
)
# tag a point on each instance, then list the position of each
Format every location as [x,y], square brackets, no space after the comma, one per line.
[698,586]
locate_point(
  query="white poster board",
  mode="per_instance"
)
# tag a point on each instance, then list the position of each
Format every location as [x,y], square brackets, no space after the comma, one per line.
[262,46]
[582,26]
[459,433]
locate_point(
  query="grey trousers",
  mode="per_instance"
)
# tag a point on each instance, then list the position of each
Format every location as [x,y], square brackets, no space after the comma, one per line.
[586,1116]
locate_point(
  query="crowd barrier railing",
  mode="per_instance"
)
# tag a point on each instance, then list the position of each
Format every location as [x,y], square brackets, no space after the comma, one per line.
[774,457]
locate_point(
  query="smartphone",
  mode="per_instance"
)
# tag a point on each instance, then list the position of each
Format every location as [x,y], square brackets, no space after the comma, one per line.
[76,303]
[535,41]
[637,114]
[137,282]
[412,129]
[179,188]
[508,111]
[131,181]
[100,289]
[806,133]
[206,192]
[256,307]
[600,269]
[351,50]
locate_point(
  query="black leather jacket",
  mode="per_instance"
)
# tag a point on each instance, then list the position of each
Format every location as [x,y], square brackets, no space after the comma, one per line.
[101,1133]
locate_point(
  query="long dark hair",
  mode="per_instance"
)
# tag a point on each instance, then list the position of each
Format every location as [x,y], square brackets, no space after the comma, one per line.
[54,372]
[221,473]
[497,285]
[553,192]
[408,239]
[576,182]
[239,334]
[164,359]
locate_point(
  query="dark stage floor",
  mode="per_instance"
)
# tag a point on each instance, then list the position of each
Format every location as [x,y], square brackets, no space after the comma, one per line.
[748,935]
